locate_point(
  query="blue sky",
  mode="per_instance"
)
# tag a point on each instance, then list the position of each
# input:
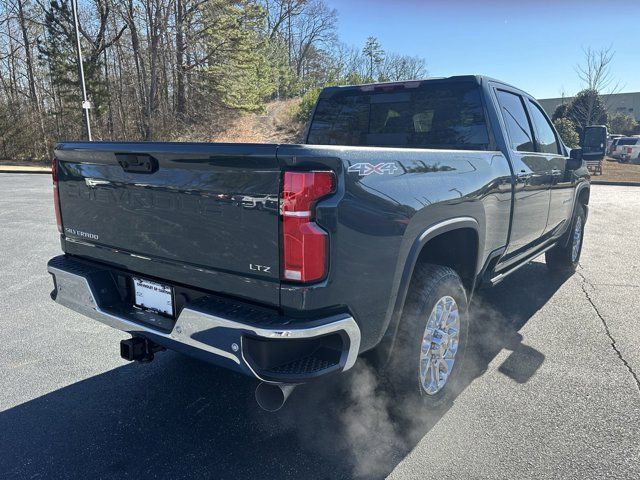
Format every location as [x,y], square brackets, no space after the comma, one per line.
[533,44]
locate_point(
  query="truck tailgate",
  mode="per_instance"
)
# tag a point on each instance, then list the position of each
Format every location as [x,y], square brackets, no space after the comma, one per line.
[205,215]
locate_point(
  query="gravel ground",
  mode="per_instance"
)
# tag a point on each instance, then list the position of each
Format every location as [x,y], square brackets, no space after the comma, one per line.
[613,171]
[554,390]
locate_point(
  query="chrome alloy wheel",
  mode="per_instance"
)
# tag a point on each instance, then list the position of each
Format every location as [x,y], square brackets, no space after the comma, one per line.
[439,345]
[577,237]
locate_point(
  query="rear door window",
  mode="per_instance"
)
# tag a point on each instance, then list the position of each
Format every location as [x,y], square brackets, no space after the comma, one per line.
[545,136]
[516,120]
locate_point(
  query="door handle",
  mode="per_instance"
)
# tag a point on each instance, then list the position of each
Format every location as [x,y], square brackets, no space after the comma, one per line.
[523,178]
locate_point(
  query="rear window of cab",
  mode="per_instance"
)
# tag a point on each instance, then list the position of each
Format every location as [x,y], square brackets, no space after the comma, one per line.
[432,115]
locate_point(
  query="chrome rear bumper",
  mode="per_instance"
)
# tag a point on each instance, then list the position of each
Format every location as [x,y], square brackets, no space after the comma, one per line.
[202,330]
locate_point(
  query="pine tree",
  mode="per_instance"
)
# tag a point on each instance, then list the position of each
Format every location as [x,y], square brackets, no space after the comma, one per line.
[374,54]
[238,70]
[58,51]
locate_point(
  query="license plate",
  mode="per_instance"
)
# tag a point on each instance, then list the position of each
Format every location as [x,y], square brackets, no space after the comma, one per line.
[153,296]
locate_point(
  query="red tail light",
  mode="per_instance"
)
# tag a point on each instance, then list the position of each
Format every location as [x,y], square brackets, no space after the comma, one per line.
[304,242]
[628,150]
[56,197]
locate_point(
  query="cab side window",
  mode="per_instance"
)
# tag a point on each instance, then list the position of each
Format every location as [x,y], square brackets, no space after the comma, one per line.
[546,138]
[515,118]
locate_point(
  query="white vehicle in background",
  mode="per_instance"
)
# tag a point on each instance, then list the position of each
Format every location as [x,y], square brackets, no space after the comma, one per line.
[631,153]
[620,148]
[611,142]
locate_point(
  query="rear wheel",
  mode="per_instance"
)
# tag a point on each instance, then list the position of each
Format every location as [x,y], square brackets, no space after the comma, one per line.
[565,256]
[429,351]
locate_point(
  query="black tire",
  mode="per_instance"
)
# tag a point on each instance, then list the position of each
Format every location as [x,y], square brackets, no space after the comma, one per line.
[430,284]
[561,258]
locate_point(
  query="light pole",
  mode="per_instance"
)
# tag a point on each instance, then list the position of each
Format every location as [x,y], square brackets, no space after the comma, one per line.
[86,105]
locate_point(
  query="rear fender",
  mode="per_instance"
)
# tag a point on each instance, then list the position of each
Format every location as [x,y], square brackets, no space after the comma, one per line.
[380,354]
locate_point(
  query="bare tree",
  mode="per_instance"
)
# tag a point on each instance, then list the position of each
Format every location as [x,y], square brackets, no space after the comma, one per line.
[26,44]
[397,67]
[280,13]
[314,27]
[595,72]
[589,107]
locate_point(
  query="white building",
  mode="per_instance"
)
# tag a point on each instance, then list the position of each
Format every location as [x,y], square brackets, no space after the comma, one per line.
[628,103]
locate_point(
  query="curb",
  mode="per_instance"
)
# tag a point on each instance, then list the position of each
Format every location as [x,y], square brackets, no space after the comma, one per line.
[9,170]
[619,184]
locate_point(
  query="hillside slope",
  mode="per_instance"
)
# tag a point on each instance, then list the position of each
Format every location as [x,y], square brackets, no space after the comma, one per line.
[276,125]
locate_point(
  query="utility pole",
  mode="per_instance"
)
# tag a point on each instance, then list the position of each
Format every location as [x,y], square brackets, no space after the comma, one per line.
[86,105]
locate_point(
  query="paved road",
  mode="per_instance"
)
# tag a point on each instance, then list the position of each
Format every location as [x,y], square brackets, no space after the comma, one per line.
[553,393]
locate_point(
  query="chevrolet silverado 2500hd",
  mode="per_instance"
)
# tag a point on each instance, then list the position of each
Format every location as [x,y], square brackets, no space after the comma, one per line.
[286,262]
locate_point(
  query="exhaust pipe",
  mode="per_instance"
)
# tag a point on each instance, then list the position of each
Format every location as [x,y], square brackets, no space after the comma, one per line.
[271,397]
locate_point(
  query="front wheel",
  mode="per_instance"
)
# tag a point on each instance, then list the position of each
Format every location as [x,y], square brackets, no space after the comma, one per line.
[565,256]
[429,351]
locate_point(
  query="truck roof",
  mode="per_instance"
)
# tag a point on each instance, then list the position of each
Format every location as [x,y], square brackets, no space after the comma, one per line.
[414,83]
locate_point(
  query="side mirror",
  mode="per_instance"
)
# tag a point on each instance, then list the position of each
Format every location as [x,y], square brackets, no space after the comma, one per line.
[576,154]
[594,142]
[575,159]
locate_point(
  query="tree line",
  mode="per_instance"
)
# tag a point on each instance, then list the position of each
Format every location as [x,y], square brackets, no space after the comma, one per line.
[167,69]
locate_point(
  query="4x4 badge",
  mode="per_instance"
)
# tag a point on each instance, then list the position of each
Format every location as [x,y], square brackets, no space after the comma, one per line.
[364,169]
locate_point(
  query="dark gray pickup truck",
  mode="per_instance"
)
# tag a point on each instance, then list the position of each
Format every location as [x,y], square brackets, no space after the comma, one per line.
[286,262]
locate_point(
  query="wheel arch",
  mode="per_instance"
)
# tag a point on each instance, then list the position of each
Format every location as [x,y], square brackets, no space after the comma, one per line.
[438,244]
[581,197]
[584,194]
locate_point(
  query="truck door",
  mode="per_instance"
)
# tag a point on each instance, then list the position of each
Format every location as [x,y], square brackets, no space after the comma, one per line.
[531,170]
[562,185]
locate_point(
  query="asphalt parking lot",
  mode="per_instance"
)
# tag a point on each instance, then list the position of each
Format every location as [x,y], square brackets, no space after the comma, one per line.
[554,391]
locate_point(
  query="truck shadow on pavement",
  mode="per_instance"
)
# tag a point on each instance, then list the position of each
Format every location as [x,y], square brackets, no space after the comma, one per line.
[179,418]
